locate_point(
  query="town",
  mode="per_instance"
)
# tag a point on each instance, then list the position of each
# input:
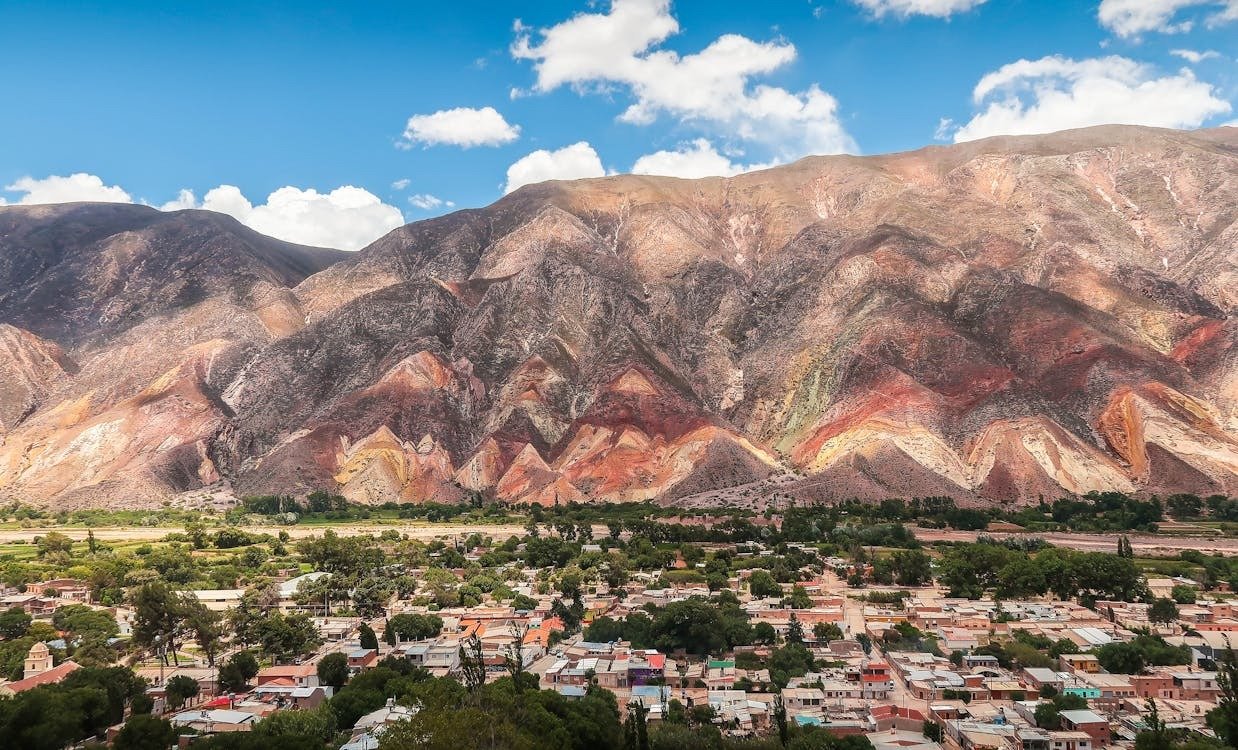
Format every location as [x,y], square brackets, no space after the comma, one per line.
[631,633]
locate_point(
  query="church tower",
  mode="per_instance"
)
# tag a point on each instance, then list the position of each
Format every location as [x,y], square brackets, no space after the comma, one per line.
[38,661]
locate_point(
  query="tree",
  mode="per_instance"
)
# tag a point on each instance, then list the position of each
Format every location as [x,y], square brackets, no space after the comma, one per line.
[780,720]
[1224,718]
[179,689]
[931,730]
[763,632]
[368,639]
[1163,611]
[1183,594]
[799,598]
[205,625]
[824,632]
[912,567]
[1047,716]
[238,671]
[865,642]
[285,636]
[472,664]
[413,627]
[762,584]
[333,670]
[14,622]
[54,544]
[1156,736]
[145,732]
[311,726]
[157,620]
[80,622]
[795,630]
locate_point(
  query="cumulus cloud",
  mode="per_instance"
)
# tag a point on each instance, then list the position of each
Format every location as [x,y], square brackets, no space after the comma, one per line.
[1193,56]
[347,218]
[572,162]
[1057,93]
[462,126]
[714,88]
[427,202]
[1132,17]
[907,8]
[690,161]
[78,186]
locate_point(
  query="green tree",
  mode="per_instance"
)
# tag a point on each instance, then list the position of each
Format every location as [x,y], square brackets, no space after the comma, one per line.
[412,627]
[368,639]
[1224,718]
[795,630]
[762,584]
[1163,611]
[1183,594]
[285,636]
[912,567]
[824,632]
[145,732]
[179,689]
[14,622]
[315,724]
[333,670]
[799,598]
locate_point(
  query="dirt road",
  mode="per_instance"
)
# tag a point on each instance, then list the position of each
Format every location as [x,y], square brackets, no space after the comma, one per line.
[1147,544]
[421,531]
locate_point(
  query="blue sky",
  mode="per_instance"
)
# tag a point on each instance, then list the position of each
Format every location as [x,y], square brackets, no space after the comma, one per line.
[140,101]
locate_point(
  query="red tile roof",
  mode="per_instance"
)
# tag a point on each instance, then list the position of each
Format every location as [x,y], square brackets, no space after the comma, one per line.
[50,677]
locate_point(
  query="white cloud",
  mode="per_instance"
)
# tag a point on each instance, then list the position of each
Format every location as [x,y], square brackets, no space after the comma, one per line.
[1194,57]
[945,126]
[427,202]
[1058,93]
[400,184]
[572,162]
[347,218]
[713,88]
[907,8]
[1131,17]
[691,161]
[183,200]
[462,126]
[78,186]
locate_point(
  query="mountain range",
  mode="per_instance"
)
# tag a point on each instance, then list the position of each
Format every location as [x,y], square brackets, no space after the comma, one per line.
[997,321]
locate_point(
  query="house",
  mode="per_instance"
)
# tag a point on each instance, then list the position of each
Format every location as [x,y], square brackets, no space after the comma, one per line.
[803,700]
[361,658]
[1071,740]
[1088,722]
[290,675]
[1040,678]
[215,720]
[219,600]
[876,680]
[440,657]
[1080,662]
[292,697]
[61,588]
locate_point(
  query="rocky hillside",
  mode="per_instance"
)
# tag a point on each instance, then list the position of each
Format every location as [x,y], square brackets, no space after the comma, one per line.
[995,321]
